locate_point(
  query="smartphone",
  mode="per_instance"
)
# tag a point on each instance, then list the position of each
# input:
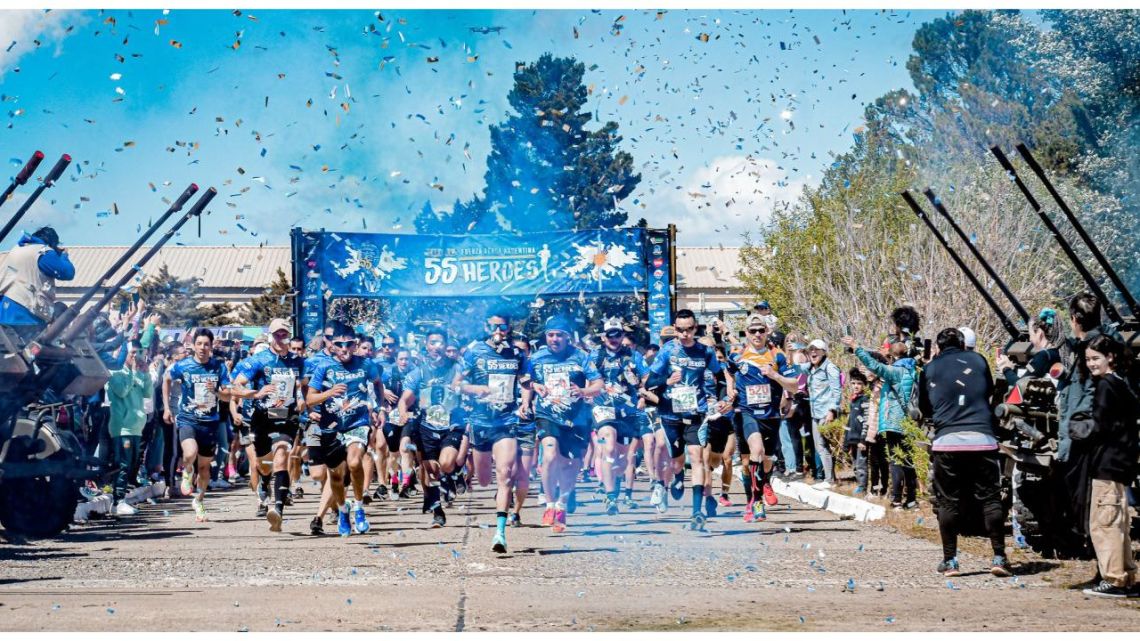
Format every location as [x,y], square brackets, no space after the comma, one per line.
[123,305]
[847,332]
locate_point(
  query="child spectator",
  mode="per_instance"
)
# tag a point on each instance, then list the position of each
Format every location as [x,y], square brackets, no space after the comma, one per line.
[856,434]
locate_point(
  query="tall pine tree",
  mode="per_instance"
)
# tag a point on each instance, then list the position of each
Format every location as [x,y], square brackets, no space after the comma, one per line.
[275,302]
[546,171]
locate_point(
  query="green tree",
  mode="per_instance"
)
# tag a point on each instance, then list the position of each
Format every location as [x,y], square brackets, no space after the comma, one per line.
[178,300]
[274,302]
[217,315]
[546,171]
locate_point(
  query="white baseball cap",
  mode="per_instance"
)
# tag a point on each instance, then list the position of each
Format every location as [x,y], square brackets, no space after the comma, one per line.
[969,338]
[612,324]
[819,344]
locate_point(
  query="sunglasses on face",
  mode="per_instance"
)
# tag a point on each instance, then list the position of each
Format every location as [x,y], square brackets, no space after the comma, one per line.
[388,345]
[757,330]
[499,327]
[344,344]
[614,334]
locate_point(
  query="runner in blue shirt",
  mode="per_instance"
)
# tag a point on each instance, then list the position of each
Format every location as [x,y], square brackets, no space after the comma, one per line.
[204,382]
[339,387]
[269,379]
[680,366]
[617,420]
[425,408]
[762,374]
[563,377]
[491,369]
[525,437]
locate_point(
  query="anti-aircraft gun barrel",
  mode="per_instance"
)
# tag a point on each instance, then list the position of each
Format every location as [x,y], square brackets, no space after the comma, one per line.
[80,325]
[68,315]
[1005,320]
[48,181]
[1109,308]
[1129,299]
[22,178]
[940,208]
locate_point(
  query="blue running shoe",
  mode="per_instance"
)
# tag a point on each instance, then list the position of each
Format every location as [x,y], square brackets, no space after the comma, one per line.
[343,525]
[360,520]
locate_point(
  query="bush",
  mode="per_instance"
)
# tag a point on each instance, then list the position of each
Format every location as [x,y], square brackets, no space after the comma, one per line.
[835,432]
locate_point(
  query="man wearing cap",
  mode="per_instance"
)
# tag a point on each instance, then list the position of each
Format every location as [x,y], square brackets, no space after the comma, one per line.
[969,338]
[562,377]
[824,394]
[680,367]
[764,310]
[617,419]
[762,375]
[269,378]
[27,279]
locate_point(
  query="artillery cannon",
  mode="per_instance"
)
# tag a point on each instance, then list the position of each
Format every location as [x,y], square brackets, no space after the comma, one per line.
[41,461]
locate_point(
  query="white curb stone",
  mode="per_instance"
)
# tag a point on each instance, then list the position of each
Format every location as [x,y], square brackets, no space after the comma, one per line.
[833,502]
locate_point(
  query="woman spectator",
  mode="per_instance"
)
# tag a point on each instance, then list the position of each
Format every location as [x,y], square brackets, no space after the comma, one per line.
[1045,335]
[1113,445]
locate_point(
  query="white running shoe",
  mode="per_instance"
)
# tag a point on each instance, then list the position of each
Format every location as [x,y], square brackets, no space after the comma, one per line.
[656,495]
[122,508]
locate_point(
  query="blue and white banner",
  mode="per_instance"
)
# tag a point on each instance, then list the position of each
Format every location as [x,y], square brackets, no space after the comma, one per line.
[359,265]
[388,265]
[660,288]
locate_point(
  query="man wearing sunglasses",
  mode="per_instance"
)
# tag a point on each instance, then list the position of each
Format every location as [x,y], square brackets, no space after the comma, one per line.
[269,379]
[617,419]
[425,409]
[490,370]
[762,375]
[340,388]
[681,367]
[563,377]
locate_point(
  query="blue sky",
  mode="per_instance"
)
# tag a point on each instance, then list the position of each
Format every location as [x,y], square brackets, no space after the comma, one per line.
[337,119]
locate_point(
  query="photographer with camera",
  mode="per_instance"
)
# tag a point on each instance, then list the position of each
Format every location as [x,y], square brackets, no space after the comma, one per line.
[954,392]
[27,280]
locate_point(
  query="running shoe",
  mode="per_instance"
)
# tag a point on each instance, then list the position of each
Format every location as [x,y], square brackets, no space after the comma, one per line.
[499,543]
[199,510]
[406,491]
[187,486]
[629,503]
[316,528]
[950,567]
[858,490]
[572,502]
[548,517]
[677,487]
[656,494]
[769,495]
[514,520]
[663,506]
[343,525]
[262,510]
[381,493]
[461,485]
[289,498]
[697,522]
[611,507]
[231,474]
[710,507]
[298,491]
[360,520]
[274,518]
[438,519]
[755,512]
[122,508]
[724,500]
[559,524]
[1000,567]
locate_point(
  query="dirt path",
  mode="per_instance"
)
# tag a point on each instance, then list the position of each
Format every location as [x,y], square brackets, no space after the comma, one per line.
[162,571]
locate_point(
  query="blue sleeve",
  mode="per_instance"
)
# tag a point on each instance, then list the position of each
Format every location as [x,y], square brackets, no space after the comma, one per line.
[661,362]
[590,369]
[468,362]
[711,361]
[784,367]
[317,375]
[176,371]
[639,364]
[413,381]
[56,264]
[223,376]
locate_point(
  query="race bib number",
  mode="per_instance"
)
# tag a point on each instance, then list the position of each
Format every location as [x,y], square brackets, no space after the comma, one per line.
[437,416]
[205,399]
[758,394]
[558,388]
[603,413]
[685,399]
[502,388]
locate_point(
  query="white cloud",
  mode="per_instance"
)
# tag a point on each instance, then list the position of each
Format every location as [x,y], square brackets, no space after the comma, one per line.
[728,197]
[23,26]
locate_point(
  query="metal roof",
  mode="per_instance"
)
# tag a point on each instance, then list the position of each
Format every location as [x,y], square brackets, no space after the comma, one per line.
[708,267]
[241,267]
[253,268]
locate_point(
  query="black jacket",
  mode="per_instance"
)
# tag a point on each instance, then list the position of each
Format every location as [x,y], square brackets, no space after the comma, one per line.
[954,391]
[857,421]
[1114,440]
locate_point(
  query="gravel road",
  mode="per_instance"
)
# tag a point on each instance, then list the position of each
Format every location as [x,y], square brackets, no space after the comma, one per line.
[160,570]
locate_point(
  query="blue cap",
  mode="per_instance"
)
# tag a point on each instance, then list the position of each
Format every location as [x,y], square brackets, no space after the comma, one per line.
[558,324]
